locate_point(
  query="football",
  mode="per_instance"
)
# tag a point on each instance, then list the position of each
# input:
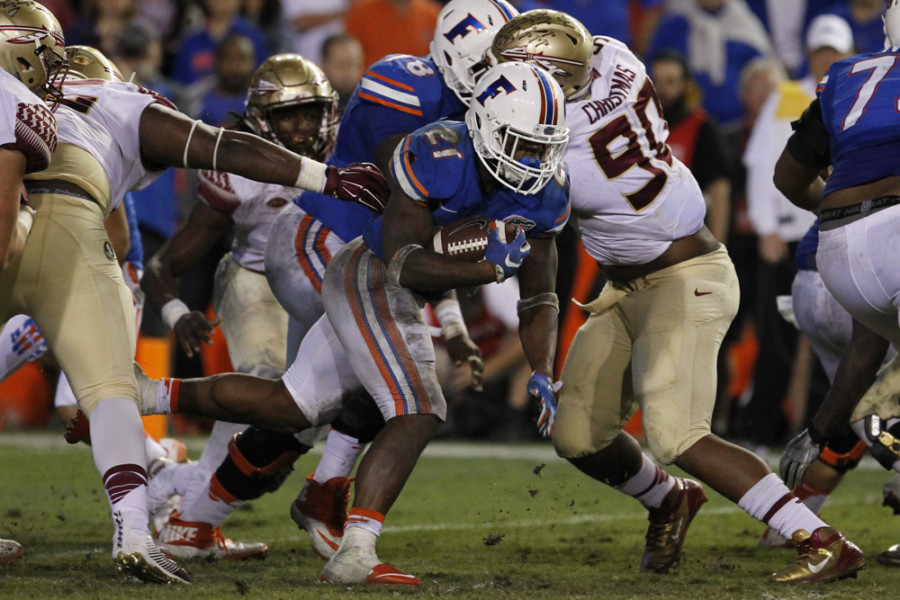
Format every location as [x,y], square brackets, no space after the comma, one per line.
[466,239]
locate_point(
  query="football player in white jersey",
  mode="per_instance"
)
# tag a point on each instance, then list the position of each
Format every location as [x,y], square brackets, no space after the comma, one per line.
[68,280]
[27,140]
[291,102]
[653,334]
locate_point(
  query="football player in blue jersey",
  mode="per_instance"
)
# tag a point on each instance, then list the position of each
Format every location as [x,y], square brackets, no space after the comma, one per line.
[851,129]
[396,96]
[502,163]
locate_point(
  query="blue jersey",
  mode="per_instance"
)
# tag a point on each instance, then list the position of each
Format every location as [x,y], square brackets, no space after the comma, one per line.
[437,166]
[136,250]
[859,99]
[397,95]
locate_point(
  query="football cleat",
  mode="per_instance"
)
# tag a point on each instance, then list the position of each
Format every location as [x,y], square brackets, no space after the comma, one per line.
[321,509]
[10,550]
[176,451]
[669,524]
[890,557]
[186,539]
[359,564]
[135,553]
[825,555]
[161,502]
[772,539]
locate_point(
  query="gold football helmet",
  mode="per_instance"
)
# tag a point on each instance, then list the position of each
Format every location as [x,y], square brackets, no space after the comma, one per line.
[550,39]
[86,62]
[31,45]
[288,88]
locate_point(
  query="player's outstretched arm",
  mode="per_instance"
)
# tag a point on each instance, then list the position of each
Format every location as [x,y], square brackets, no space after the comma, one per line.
[196,235]
[170,138]
[15,222]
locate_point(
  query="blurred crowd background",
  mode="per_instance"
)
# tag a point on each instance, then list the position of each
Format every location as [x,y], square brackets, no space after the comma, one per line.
[730,75]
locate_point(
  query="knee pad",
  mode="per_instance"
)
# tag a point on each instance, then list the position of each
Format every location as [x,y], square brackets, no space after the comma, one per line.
[360,418]
[843,451]
[258,462]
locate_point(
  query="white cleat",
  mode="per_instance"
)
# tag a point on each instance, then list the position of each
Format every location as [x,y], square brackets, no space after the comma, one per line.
[356,562]
[187,539]
[135,553]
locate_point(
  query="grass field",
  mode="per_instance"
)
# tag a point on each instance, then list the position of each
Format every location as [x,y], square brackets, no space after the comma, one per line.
[475,521]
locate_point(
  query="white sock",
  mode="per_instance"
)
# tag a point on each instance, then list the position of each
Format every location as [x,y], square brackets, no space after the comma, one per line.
[214,453]
[117,443]
[772,502]
[649,485]
[212,506]
[338,457]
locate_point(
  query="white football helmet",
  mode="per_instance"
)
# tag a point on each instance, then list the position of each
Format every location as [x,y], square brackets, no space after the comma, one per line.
[891,20]
[517,122]
[31,45]
[464,31]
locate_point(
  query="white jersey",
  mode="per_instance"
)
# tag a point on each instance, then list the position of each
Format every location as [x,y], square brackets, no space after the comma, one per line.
[251,205]
[103,118]
[630,196]
[26,124]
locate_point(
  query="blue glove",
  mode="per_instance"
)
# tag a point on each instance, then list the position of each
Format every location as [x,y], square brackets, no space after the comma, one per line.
[541,387]
[506,258]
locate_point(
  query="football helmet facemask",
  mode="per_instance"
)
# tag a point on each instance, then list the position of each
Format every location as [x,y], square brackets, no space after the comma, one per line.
[552,40]
[289,81]
[86,62]
[517,122]
[463,33]
[32,46]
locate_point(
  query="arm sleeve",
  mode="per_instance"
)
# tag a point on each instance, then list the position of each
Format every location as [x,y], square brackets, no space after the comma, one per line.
[809,143]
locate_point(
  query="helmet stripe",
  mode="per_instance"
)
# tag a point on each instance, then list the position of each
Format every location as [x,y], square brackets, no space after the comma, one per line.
[549,106]
[503,8]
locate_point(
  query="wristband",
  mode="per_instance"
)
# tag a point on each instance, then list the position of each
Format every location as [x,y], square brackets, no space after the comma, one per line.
[312,175]
[172,311]
[450,317]
[26,217]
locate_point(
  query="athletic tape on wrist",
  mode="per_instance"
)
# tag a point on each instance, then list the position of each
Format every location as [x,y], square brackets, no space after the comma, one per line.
[396,264]
[312,175]
[449,315]
[172,311]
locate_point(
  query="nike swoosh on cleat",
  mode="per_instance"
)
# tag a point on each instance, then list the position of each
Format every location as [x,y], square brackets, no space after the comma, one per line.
[816,568]
[699,293]
[328,541]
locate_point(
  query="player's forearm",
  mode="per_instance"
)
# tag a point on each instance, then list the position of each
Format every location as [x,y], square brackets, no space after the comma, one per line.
[429,271]
[159,284]
[537,331]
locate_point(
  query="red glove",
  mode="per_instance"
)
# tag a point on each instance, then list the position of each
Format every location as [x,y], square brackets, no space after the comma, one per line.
[362,183]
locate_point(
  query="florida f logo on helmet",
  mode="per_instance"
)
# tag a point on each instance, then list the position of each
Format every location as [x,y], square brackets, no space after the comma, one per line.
[493,90]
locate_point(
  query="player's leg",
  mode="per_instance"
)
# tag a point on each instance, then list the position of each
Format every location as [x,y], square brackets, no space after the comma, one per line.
[297,253]
[735,472]
[596,401]
[81,303]
[389,345]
